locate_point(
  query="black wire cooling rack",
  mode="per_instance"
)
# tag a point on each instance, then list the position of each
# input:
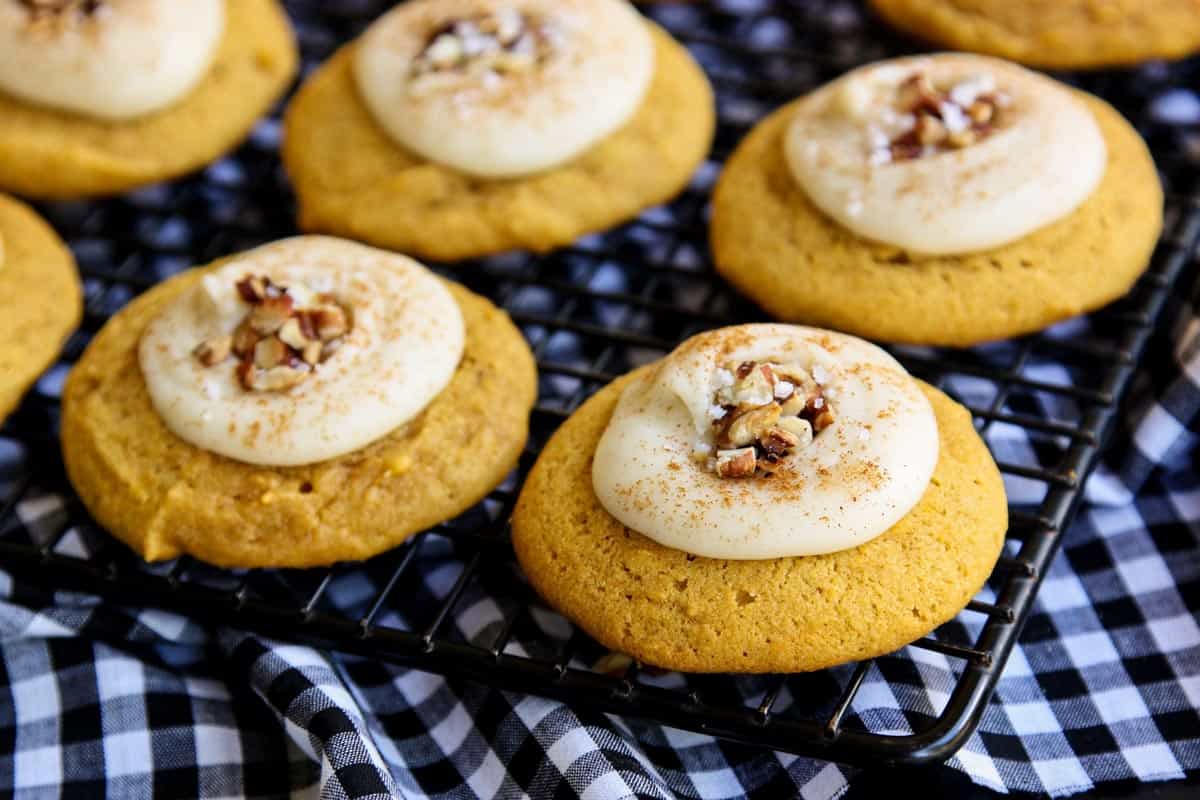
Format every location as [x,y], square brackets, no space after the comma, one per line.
[451,600]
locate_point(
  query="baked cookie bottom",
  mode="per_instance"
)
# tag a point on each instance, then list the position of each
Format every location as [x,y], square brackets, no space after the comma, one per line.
[49,153]
[352,180]
[1066,34]
[776,247]
[164,497]
[673,610]
[41,300]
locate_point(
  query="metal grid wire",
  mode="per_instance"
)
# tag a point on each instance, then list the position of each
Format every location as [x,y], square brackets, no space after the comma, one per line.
[451,600]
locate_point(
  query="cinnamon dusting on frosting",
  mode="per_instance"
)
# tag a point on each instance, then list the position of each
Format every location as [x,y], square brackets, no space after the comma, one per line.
[766,441]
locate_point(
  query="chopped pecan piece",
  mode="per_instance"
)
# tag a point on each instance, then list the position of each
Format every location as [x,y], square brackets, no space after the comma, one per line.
[800,429]
[270,352]
[929,130]
[778,441]
[739,463]
[214,351]
[744,426]
[962,139]
[981,112]
[253,288]
[329,322]
[270,314]
[312,353]
[292,334]
[244,339]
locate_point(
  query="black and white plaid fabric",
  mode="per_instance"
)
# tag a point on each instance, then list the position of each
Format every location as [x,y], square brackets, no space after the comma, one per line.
[97,699]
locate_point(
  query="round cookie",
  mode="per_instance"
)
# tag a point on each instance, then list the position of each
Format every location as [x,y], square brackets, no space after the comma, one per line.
[50,153]
[164,497]
[354,181]
[774,245]
[1075,34]
[41,300]
[673,610]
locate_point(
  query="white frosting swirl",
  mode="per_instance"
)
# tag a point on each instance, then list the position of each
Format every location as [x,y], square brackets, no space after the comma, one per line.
[854,481]
[404,345]
[510,122]
[1044,158]
[112,59]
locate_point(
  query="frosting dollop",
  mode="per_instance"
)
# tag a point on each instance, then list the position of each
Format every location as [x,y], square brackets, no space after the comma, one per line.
[946,153]
[501,88]
[861,447]
[387,333]
[112,59]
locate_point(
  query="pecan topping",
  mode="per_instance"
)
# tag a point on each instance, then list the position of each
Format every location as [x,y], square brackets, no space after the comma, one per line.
[45,10]
[284,335]
[501,42]
[939,118]
[214,351]
[763,412]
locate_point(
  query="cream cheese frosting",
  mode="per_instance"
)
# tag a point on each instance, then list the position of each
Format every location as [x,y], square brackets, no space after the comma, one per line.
[112,59]
[658,466]
[400,344]
[943,154]
[501,88]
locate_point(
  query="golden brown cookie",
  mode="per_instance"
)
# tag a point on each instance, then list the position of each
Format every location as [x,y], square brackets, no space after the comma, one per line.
[774,245]
[677,611]
[352,180]
[49,153]
[164,497]
[1064,34]
[41,300]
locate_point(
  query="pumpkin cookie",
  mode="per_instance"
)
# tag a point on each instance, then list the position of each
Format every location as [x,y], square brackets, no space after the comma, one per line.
[101,97]
[942,200]
[307,402]
[764,499]
[40,299]
[1066,34]
[459,128]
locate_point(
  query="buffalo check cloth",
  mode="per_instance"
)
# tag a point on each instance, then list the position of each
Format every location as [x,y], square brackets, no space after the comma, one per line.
[97,699]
